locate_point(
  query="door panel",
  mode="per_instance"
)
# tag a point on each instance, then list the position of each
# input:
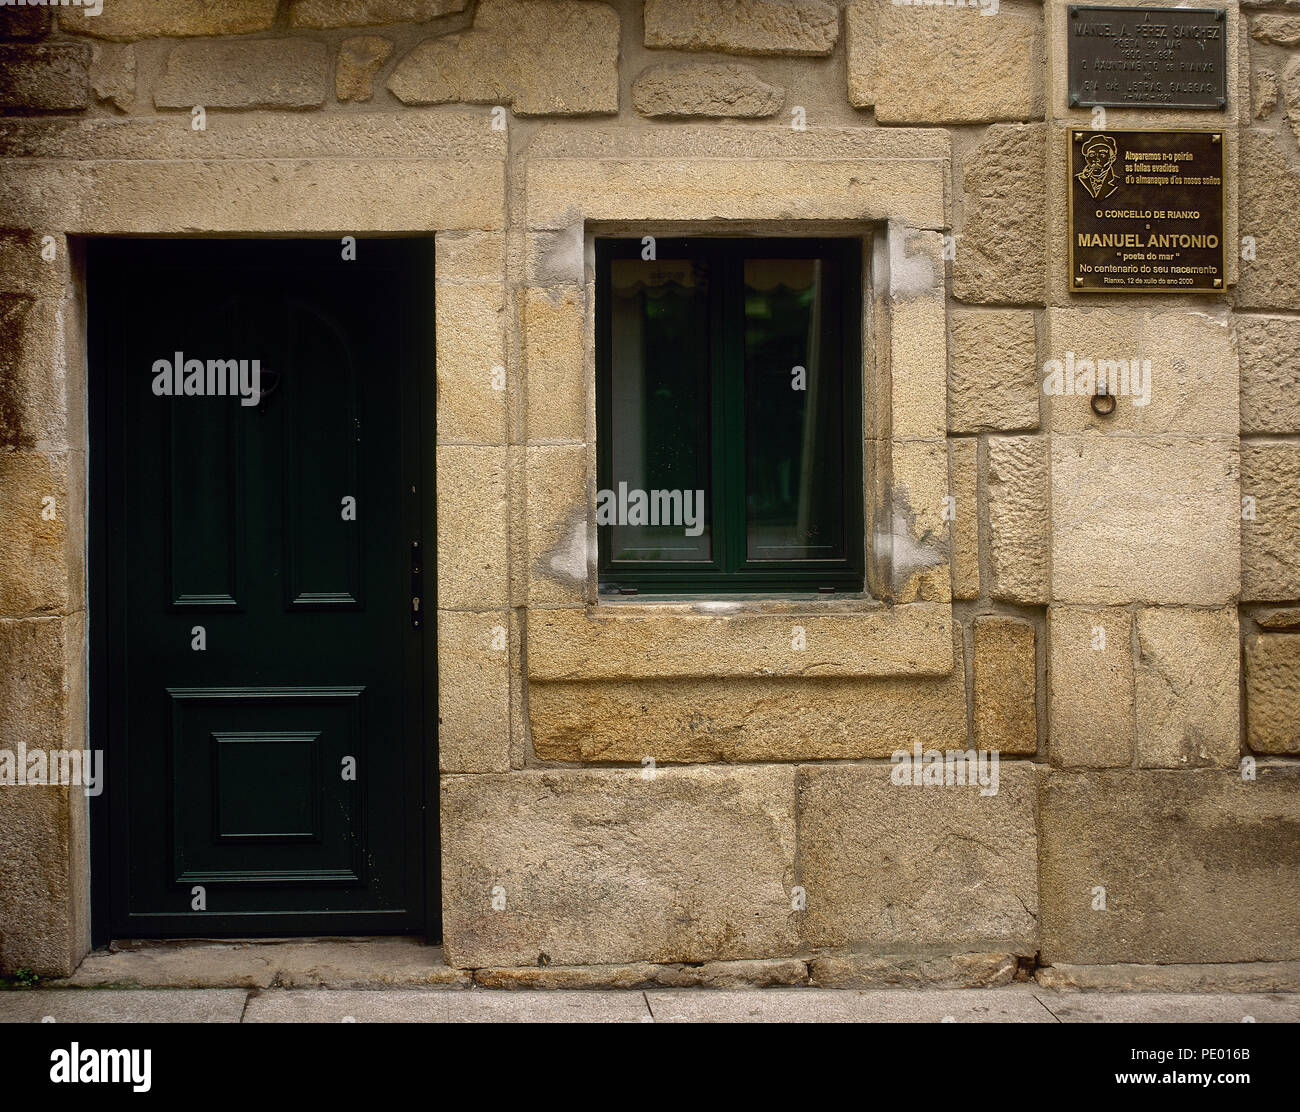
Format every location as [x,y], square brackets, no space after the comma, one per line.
[257,676]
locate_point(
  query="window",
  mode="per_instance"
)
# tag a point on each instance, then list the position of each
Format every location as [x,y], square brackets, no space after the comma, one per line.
[729,415]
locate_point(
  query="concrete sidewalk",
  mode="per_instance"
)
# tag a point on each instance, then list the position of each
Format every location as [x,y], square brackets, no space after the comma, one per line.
[1018,1003]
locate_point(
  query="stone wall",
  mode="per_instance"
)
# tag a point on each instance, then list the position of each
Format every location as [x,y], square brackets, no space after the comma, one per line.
[670,782]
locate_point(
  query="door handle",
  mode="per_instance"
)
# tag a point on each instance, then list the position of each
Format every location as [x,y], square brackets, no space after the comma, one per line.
[417,586]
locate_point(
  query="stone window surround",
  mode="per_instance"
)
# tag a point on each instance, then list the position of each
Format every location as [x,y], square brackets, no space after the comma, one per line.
[903,625]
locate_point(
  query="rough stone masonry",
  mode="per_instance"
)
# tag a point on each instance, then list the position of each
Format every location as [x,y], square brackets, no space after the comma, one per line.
[1112,603]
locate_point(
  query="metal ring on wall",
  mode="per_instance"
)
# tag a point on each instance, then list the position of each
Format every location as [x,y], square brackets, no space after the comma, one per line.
[1100,406]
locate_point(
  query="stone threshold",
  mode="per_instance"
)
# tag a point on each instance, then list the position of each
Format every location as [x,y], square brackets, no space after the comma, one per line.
[405,962]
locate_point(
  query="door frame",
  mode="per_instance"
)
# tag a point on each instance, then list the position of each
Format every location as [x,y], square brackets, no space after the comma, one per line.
[105,859]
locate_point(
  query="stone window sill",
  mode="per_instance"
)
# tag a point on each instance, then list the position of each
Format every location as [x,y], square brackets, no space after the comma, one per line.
[832,637]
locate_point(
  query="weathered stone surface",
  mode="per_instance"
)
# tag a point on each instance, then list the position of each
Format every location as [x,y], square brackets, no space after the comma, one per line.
[471,360]
[734,974]
[1090,687]
[912,970]
[470,256]
[942,66]
[369,13]
[1188,679]
[1269,204]
[1197,866]
[560,555]
[1145,519]
[472,501]
[649,640]
[359,60]
[558,58]
[1270,374]
[40,555]
[715,188]
[1172,370]
[112,74]
[129,20]
[1270,544]
[745,720]
[611,867]
[555,352]
[32,402]
[1006,685]
[259,73]
[916,547]
[46,77]
[1233,977]
[1002,248]
[1291,95]
[1016,494]
[557,258]
[1278,619]
[710,974]
[993,371]
[429,137]
[1282,30]
[36,686]
[36,904]
[571,977]
[473,691]
[918,340]
[1076,338]
[802,27]
[1263,94]
[963,476]
[711,89]
[903,866]
[605,140]
[25,23]
[1194,371]
[1273,692]
[23,271]
[251,195]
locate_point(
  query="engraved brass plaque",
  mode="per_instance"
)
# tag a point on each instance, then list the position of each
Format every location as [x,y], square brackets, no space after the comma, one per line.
[1146,211]
[1147,57]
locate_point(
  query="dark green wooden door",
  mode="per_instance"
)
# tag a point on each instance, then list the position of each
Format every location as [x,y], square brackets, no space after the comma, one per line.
[257,665]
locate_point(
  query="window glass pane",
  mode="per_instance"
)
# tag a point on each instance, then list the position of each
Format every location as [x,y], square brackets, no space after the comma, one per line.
[794,412]
[658,486]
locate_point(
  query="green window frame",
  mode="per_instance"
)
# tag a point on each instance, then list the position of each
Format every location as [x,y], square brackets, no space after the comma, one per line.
[719,365]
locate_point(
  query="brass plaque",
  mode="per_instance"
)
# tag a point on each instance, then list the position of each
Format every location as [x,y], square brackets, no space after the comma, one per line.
[1146,211]
[1148,57]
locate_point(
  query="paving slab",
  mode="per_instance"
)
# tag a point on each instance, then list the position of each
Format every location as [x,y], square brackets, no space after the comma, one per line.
[444,1006]
[123,1006]
[346,1006]
[1009,1005]
[422,1004]
[1170,1007]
